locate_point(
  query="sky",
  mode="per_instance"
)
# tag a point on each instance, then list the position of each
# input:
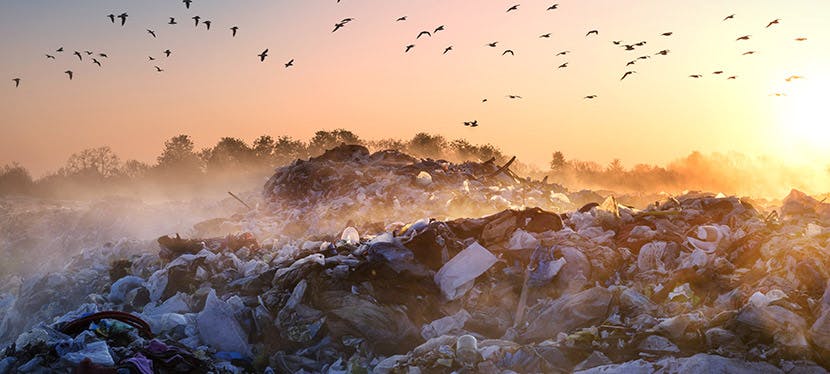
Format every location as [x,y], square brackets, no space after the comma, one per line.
[359,77]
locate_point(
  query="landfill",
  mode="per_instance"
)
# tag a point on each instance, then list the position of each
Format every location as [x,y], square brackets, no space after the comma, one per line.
[382,263]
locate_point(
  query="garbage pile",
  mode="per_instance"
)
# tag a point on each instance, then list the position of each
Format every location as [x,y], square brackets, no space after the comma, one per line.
[695,283]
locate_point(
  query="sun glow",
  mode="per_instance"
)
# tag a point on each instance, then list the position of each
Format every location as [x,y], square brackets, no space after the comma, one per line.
[804,116]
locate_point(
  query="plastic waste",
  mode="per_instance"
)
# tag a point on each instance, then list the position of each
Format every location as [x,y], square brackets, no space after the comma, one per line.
[457,276]
[97,352]
[219,328]
[350,236]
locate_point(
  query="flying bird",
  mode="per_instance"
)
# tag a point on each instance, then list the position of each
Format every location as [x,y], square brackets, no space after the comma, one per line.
[506,51]
[563,53]
[773,22]
[50,56]
[263,55]
[88,53]
[695,76]
[514,7]
[289,63]
[483,100]
[663,52]
[167,52]
[745,37]
[112,18]
[801,39]
[172,21]
[591,97]
[338,25]
[187,3]
[595,32]
[151,32]
[627,74]
[233,31]
[158,69]
[790,78]
[447,50]
[423,33]
[616,42]
[631,62]
[474,123]
[667,33]
[96,62]
[437,29]
[733,77]
[553,7]
[493,44]
[643,57]
[640,44]
[778,94]
[69,73]
[207,23]
[514,97]
[401,19]
[123,17]
[731,16]
[104,55]
[748,53]
[545,35]
[563,66]
[16,82]
[196,18]
[346,20]
[629,47]
[719,72]
[59,49]
[79,55]
[409,47]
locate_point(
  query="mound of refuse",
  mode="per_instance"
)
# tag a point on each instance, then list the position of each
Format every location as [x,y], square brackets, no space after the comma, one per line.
[695,283]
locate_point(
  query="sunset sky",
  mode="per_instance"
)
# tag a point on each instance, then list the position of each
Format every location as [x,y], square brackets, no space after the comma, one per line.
[359,77]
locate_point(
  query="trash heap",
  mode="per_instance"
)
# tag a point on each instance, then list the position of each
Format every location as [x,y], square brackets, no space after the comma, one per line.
[696,283]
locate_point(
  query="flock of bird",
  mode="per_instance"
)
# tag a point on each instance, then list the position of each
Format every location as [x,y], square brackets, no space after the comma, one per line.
[121,19]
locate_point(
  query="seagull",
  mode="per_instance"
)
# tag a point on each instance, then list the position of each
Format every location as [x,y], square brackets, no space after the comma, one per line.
[167,52]
[96,62]
[643,57]
[123,17]
[207,23]
[553,7]
[112,18]
[627,74]
[640,44]
[88,53]
[59,49]
[563,53]
[733,77]
[423,33]
[196,18]
[545,35]
[790,78]
[483,100]
[474,123]
[719,72]
[515,7]
[447,50]
[409,47]
[151,58]
[595,32]
[801,39]
[745,37]
[337,26]
[667,33]
[514,97]
[69,73]
[187,3]
[616,42]
[731,16]
[663,52]
[346,20]
[172,21]
[591,97]
[233,30]
[158,69]
[493,44]
[632,62]
[16,82]
[263,55]
[748,53]
[151,32]
[773,22]
[401,19]
[563,66]
[629,47]
[50,56]
[695,76]
[289,63]
[506,51]
[79,55]
[466,123]
[437,29]
[104,55]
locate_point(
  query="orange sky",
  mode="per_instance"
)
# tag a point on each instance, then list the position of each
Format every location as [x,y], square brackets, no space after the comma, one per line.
[359,78]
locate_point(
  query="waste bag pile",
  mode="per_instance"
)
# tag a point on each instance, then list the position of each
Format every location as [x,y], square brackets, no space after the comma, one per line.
[694,283]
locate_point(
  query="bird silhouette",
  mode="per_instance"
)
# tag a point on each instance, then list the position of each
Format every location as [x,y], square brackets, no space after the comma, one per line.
[158,69]
[553,7]
[96,62]
[263,55]
[643,57]
[733,77]
[545,35]
[663,52]
[346,20]
[289,63]
[745,37]
[151,58]
[731,16]
[801,39]
[595,32]
[627,74]
[483,100]
[773,22]
[667,33]
[631,63]
[50,56]
[514,97]
[792,77]
[466,123]
[629,47]
[695,76]
[514,7]
[172,21]
[616,42]
[506,51]
[16,82]
[401,19]
[123,17]
[69,73]
[474,123]
[423,33]
[409,47]
[151,32]
[778,94]
[76,53]
[447,50]
[748,53]
[112,18]
[104,55]
[207,24]
[88,53]
[640,44]
[719,72]
[563,53]
[167,52]
[437,29]
[563,66]
[233,31]
[589,97]
[187,3]
[492,45]
[196,18]
[59,49]
[338,25]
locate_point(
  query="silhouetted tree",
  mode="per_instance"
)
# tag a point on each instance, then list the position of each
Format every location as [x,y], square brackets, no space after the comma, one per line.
[324,140]
[229,153]
[264,148]
[387,144]
[427,145]
[557,163]
[462,149]
[179,157]
[134,169]
[15,179]
[288,149]
[99,163]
